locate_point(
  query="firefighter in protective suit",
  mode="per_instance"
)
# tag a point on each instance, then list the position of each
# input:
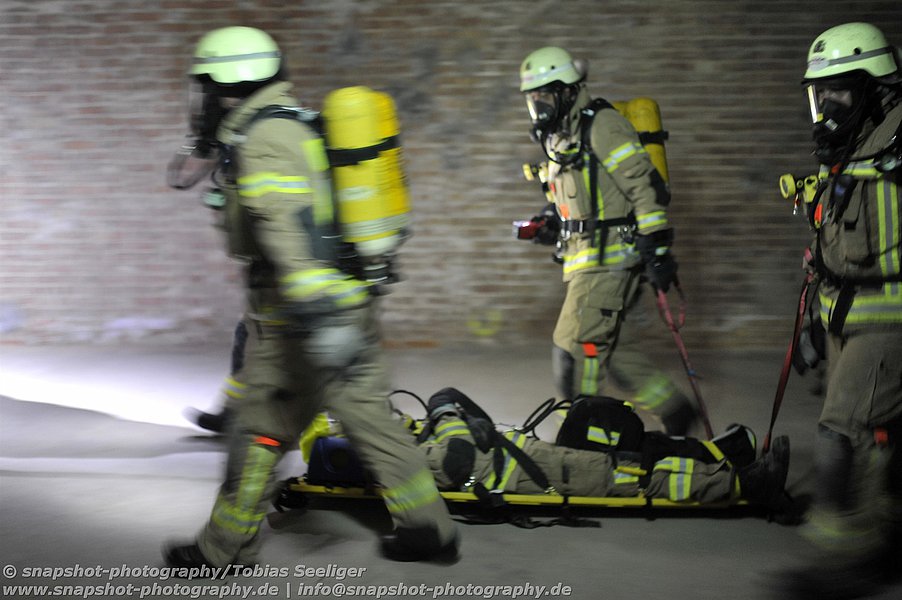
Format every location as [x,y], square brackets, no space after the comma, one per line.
[463,452]
[609,216]
[313,341]
[854,88]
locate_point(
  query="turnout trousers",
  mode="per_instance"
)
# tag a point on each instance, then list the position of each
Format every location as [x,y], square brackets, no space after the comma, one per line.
[282,389]
[597,336]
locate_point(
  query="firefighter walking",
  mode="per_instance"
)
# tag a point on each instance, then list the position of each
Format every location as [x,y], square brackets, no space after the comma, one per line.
[313,341]
[609,217]
[853,83]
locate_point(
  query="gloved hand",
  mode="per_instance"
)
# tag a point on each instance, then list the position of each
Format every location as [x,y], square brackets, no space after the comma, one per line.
[660,266]
[544,228]
[549,226]
[336,341]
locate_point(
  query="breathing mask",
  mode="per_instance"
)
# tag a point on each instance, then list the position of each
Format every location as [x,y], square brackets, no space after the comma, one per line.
[838,106]
[199,155]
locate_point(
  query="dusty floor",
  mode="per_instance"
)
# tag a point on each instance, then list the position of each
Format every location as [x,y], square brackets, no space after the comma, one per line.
[98,468]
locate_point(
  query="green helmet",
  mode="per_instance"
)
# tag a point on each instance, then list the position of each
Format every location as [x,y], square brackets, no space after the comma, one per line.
[235,55]
[548,65]
[851,47]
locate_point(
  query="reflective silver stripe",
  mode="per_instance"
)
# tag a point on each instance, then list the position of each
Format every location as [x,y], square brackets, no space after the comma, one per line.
[234,57]
[857,57]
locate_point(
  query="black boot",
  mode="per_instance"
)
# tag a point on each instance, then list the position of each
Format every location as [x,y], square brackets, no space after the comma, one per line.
[410,545]
[185,556]
[738,444]
[215,422]
[763,481]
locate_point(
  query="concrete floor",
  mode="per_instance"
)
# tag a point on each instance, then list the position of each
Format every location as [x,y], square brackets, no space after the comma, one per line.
[98,468]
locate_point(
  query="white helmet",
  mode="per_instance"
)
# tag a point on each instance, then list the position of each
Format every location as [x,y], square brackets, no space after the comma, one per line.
[848,69]
[548,65]
[551,81]
[852,47]
[235,55]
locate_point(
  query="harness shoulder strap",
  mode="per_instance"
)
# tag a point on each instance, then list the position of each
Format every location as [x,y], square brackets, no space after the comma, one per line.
[585,124]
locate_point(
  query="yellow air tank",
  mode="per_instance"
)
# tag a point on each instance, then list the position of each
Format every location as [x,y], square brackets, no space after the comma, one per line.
[361,131]
[645,116]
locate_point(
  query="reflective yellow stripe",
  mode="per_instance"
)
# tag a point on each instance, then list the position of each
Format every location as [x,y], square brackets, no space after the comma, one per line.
[519,441]
[600,436]
[510,463]
[888,217]
[260,184]
[714,450]
[249,509]
[884,306]
[657,218]
[315,153]
[416,492]
[625,478]
[862,169]
[233,388]
[342,289]
[614,254]
[450,428]
[621,153]
[589,384]
[680,478]
[654,393]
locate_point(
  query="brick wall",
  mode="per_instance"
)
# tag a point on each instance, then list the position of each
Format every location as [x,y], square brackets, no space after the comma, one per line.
[95,248]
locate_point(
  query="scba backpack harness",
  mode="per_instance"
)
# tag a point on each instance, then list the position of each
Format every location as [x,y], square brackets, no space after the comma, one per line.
[370,200]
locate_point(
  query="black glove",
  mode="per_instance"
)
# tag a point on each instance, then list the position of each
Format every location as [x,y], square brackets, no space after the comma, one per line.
[550,226]
[543,228]
[660,266]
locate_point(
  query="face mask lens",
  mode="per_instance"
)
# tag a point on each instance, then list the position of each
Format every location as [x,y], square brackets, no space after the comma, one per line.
[541,105]
[196,101]
[813,105]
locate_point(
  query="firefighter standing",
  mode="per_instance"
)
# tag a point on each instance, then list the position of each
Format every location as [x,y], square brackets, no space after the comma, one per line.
[313,339]
[854,87]
[609,214]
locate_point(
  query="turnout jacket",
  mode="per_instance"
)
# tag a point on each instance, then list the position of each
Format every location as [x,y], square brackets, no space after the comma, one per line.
[278,211]
[859,241]
[628,185]
[571,472]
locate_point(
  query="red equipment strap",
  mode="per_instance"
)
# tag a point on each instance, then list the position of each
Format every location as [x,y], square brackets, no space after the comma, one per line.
[787,362]
[667,316]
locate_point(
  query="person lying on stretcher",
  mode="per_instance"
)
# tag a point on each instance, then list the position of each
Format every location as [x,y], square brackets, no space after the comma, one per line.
[601,450]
